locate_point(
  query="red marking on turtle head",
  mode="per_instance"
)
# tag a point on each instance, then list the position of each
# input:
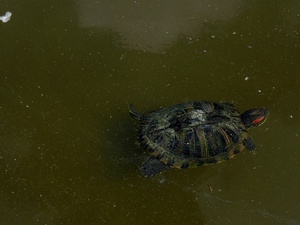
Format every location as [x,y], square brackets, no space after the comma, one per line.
[258,120]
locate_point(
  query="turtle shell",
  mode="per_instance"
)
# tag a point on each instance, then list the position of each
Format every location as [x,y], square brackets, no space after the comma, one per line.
[193,134]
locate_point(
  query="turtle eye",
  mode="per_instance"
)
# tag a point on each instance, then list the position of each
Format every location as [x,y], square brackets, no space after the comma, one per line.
[258,120]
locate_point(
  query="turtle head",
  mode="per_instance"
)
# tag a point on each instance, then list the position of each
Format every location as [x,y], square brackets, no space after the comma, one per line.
[255,117]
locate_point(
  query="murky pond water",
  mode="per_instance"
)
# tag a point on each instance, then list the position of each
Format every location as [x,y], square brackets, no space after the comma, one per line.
[69,69]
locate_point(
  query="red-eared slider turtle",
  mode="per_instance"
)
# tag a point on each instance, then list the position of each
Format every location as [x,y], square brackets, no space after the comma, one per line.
[193,134]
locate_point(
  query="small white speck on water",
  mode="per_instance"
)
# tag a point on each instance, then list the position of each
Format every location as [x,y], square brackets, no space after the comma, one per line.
[122,56]
[249,46]
[204,50]
[234,32]
[163,180]
[291,116]
[213,36]
[246,78]
[259,91]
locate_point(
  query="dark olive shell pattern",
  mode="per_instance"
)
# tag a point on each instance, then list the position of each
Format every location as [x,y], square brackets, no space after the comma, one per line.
[193,133]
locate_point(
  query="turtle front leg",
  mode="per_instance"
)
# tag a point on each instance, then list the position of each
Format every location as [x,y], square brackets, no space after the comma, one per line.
[249,144]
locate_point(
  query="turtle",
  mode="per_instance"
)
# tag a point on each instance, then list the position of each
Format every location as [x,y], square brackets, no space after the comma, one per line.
[194,134]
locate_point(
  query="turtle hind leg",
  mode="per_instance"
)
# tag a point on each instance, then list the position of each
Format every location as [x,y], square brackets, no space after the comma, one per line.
[152,167]
[134,114]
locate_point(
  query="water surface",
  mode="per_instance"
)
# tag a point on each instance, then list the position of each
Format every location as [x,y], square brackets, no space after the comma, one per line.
[69,70]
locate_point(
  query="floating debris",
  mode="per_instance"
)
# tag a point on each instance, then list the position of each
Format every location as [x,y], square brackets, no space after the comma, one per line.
[6,17]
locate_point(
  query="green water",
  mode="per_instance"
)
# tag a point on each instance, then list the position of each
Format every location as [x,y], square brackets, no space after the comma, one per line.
[68,70]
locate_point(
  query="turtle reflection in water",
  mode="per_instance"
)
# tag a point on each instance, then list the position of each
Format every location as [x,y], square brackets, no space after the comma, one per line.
[193,134]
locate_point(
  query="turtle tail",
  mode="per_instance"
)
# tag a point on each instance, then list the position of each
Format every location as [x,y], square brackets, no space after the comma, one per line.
[134,114]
